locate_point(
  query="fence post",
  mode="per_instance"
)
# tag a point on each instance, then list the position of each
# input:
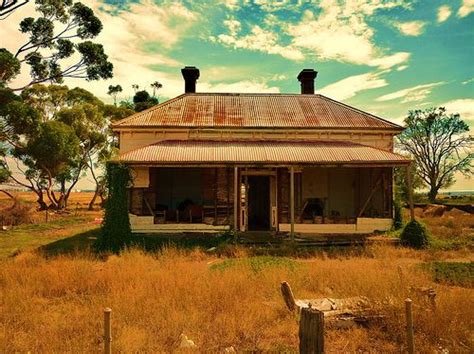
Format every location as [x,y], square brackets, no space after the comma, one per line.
[288,296]
[107,331]
[410,335]
[311,331]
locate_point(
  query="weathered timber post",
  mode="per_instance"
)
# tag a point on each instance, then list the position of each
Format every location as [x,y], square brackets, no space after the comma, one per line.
[410,192]
[236,198]
[311,331]
[107,331]
[288,296]
[410,335]
[292,203]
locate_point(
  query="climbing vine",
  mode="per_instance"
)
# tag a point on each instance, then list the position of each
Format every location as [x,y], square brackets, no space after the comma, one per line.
[116,232]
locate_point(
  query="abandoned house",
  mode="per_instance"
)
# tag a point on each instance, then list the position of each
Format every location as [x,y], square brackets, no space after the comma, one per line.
[300,163]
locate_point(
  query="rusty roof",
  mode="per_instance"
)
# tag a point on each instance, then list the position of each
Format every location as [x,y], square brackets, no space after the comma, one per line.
[259,152]
[217,110]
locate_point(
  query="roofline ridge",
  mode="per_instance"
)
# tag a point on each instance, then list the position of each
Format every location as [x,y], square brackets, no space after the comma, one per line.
[159,105]
[361,111]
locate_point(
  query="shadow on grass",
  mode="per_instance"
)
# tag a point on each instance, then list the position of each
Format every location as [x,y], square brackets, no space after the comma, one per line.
[79,243]
[221,244]
[83,243]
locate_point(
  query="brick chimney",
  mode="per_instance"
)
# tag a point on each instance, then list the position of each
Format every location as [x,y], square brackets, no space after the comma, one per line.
[190,75]
[306,78]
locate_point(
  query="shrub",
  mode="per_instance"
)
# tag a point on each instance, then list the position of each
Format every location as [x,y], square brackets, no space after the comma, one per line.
[116,232]
[415,235]
[453,273]
[18,214]
[398,217]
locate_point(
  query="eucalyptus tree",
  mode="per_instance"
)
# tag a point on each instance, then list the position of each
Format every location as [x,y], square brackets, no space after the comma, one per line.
[440,145]
[156,86]
[54,136]
[113,91]
[59,45]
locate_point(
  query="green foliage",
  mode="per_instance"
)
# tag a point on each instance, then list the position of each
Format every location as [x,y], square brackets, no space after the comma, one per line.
[452,273]
[54,147]
[114,91]
[56,133]
[398,215]
[440,145]
[62,30]
[401,184]
[4,171]
[415,235]
[9,65]
[142,100]
[116,231]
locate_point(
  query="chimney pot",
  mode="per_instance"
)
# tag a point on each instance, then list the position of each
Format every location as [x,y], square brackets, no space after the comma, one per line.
[190,75]
[306,78]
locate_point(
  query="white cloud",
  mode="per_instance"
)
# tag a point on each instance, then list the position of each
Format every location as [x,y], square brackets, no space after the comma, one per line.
[350,86]
[412,28]
[233,26]
[468,81]
[246,86]
[258,40]
[411,94]
[340,32]
[466,8]
[402,67]
[463,106]
[443,13]
[389,61]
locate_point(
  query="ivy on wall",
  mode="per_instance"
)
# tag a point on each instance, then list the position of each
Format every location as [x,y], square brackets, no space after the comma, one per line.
[116,233]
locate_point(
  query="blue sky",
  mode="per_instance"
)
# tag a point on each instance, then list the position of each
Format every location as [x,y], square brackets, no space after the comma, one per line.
[382,56]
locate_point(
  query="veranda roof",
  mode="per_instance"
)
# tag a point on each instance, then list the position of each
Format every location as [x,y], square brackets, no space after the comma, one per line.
[252,110]
[204,152]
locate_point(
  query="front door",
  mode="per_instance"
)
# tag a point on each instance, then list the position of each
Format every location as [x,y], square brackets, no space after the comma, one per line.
[258,203]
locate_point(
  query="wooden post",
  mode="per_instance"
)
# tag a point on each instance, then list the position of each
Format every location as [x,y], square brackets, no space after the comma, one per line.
[236,198]
[311,331]
[410,192]
[288,296]
[292,202]
[107,331]
[409,318]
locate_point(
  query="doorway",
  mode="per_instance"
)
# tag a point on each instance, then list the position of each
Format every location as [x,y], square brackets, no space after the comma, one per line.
[258,203]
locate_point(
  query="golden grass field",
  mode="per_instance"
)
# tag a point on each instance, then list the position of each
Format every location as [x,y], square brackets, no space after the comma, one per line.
[229,298]
[55,305]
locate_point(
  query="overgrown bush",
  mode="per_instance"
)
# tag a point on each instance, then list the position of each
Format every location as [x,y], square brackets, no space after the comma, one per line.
[415,235]
[116,232]
[398,217]
[18,214]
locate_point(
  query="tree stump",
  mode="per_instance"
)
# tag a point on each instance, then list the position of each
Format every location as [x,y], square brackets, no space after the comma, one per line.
[311,332]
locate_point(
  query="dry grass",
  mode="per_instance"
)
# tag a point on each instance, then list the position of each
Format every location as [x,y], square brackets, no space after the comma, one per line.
[81,198]
[56,305]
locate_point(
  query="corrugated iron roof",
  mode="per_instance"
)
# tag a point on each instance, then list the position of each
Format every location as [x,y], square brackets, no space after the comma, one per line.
[213,110]
[260,152]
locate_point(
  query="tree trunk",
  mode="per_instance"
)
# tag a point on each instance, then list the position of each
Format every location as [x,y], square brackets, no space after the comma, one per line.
[92,202]
[41,202]
[8,194]
[432,194]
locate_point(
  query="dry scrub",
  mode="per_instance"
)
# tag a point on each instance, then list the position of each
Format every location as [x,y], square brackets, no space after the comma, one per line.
[56,305]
